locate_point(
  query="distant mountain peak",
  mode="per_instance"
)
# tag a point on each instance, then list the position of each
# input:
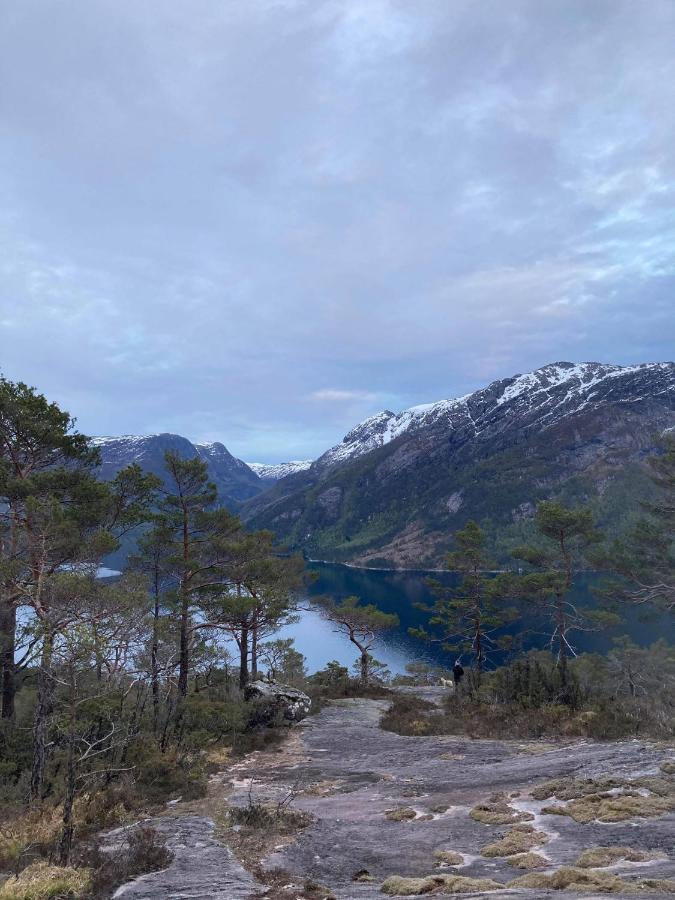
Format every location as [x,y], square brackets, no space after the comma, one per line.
[270,472]
[534,389]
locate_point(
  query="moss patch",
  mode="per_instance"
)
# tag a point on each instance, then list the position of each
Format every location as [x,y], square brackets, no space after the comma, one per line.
[400,814]
[571,878]
[496,811]
[612,808]
[395,885]
[518,840]
[41,881]
[448,858]
[572,788]
[528,861]
[597,857]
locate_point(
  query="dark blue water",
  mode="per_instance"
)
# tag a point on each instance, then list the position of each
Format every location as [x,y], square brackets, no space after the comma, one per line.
[397,592]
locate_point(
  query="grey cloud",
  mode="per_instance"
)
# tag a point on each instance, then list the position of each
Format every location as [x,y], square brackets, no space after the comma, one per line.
[259,222]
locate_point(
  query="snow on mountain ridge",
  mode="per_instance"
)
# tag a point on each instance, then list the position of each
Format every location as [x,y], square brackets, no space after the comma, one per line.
[275,471]
[524,393]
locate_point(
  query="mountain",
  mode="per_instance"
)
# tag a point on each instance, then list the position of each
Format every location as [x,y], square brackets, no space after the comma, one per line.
[269,473]
[234,480]
[398,485]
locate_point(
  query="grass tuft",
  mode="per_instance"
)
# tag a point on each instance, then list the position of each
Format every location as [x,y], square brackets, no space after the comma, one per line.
[41,881]
[597,857]
[528,861]
[497,811]
[400,814]
[398,886]
[448,858]
[515,841]
[612,808]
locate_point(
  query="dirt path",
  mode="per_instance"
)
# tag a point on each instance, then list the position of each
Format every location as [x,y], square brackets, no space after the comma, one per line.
[347,773]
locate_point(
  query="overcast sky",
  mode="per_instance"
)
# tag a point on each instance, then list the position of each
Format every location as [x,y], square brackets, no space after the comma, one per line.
[259,221]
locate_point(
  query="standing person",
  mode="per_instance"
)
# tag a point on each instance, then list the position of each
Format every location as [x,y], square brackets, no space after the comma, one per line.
[457,673]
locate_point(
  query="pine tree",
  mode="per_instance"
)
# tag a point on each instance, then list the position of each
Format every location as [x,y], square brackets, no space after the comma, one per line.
[645,559]
[361,624]
[469,616]
[567,537]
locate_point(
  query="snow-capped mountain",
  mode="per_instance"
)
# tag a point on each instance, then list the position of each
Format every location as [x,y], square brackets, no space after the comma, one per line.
[398,484]
[233,478]
[271,472]
[549,393]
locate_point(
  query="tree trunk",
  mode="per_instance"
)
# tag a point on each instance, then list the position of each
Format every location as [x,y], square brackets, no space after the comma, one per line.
[561,627]
[7,651]
[243,658]
[254,652]
[67,830]
[154,667]
[184,660]
[43,711]
[364,667]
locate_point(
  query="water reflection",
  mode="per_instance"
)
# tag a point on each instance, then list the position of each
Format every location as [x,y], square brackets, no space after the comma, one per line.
[399,591]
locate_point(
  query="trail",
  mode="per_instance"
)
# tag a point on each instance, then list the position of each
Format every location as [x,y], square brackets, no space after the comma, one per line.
[346,773]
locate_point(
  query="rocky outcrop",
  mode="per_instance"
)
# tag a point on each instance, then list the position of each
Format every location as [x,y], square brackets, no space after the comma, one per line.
[277,702]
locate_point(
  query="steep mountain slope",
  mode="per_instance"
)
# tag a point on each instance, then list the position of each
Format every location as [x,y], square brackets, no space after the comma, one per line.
[397,486]
[233,478]
[270,472]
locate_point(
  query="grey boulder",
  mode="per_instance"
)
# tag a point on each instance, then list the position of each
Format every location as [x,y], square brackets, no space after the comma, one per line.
[278,702]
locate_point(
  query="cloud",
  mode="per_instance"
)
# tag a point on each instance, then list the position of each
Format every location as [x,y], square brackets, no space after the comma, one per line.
[259,222]
[335,395]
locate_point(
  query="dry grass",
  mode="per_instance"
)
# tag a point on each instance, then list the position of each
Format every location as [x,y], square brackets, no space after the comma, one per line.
[528,861]
[612,808]
[572,788]
[448,858]
[570,878]
[397,886]
[518,840]
[597,857]
[40,881]
[496,811]
[37,830]
[400,814]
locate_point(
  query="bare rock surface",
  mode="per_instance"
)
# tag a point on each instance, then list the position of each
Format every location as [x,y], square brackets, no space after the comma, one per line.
[202,866]
[348,774]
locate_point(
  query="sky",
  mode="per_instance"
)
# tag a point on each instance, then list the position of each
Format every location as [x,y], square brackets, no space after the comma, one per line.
[260,221]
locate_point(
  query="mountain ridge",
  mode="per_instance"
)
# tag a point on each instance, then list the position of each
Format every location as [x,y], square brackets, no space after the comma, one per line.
[398,484]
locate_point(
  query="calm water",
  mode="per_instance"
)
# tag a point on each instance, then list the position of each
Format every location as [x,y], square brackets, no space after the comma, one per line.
[397,592]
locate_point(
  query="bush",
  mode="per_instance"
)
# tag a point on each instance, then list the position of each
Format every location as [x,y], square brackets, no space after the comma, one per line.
[169,774]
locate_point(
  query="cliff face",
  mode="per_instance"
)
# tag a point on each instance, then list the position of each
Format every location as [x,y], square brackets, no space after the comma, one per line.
[398,485]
